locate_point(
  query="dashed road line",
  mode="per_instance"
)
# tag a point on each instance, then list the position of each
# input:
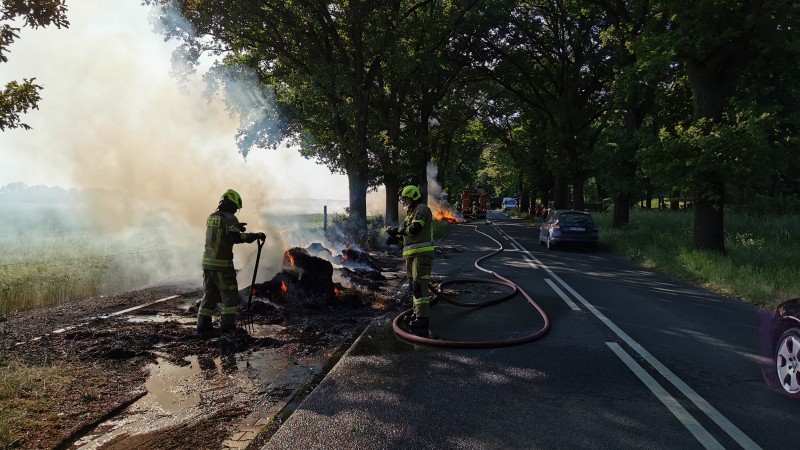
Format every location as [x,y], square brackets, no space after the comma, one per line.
[530,262]
[732,430]
[563,296]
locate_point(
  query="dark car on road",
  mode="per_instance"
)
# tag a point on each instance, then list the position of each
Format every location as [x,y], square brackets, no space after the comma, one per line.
[569,226]
[779,343]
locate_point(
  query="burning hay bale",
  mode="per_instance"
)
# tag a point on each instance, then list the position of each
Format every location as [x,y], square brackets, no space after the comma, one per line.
[307,280]
[302,278]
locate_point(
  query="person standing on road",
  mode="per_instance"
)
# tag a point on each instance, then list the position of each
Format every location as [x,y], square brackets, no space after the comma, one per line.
[418,249]
[223,230]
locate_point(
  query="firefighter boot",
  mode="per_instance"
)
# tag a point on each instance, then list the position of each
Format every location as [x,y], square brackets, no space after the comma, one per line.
[419,324]
[227,322]
[204,326]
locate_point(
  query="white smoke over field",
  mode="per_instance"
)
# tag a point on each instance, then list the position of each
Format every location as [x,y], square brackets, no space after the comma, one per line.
[145,156]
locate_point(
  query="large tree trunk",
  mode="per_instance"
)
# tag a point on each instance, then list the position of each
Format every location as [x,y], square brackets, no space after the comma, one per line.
[522,191]
[560,192]
[358,181]
[709,90]
[708,219]
[622,209]
[392,185]
[577,193]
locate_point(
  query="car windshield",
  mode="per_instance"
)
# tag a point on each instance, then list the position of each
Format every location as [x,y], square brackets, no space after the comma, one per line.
[576,219]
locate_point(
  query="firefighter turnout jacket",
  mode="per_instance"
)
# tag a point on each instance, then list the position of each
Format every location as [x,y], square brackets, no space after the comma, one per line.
[418,232]
[223,230]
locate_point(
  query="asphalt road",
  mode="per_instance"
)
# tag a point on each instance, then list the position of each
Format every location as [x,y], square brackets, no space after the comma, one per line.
[633,359]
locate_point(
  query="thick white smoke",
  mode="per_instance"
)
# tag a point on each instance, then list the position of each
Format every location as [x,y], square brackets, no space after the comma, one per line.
[146,153]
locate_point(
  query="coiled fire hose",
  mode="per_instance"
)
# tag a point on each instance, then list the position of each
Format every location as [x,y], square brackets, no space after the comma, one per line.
[476,344]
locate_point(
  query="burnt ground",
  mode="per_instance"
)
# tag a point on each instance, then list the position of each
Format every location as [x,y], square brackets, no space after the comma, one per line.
[100,363]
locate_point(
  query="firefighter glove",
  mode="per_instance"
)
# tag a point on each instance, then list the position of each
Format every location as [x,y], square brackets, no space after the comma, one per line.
[261,236]
[392,231]
[241,226]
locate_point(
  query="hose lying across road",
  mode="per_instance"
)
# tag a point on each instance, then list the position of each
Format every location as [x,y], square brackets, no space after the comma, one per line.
[476,344]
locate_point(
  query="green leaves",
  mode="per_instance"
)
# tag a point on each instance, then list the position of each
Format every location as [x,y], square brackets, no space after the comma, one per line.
[17,99]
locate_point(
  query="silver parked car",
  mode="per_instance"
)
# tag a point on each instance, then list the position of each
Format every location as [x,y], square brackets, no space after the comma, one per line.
[569,226]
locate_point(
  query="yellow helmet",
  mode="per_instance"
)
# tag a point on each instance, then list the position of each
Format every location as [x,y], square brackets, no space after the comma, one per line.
[411,192]
[234,197]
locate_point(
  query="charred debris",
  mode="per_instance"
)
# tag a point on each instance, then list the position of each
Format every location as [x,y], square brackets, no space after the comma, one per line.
[308,277]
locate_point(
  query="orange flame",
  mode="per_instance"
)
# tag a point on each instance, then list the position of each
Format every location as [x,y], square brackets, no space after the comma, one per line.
[284,288]
[338,291]
[289,257]
[445,215]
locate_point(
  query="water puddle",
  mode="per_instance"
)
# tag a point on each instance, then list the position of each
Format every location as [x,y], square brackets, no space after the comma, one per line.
[177,393]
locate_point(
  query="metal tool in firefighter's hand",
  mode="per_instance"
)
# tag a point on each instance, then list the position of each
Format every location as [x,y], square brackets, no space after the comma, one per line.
[247,316]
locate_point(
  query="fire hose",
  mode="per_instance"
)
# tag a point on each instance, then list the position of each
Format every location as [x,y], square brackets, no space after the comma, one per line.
[476,344]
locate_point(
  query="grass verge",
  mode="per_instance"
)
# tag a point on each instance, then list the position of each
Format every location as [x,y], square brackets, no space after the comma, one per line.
[760,266]
[27,398]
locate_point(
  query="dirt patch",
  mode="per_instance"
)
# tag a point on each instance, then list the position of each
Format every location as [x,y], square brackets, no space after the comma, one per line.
[102,360]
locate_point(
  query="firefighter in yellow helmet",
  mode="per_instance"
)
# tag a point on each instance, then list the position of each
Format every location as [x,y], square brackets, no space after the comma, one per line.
[223,230]
[418,249]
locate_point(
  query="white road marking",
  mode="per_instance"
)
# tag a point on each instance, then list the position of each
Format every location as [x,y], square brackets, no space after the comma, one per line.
[72,327]
[732,430]
[563,296]
[141,306]
[530,262]
[694,427]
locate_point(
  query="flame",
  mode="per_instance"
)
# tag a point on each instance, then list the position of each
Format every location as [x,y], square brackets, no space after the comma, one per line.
[290,258]
[284,288]
[338,291]
[445,215]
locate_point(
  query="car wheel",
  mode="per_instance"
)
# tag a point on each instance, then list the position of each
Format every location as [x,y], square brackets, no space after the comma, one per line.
[787,365]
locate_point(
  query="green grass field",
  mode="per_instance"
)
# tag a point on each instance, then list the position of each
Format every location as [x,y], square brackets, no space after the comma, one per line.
[760,266]
[42,269]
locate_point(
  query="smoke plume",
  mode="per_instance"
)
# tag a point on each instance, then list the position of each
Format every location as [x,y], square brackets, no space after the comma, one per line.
[145,152]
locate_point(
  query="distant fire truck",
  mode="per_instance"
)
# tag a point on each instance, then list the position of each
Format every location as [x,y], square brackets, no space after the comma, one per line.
[473,203]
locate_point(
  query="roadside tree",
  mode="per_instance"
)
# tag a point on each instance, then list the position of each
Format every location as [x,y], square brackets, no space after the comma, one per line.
[17,97]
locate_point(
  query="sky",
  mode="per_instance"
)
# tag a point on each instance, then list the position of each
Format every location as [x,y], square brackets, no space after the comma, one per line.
[112,117]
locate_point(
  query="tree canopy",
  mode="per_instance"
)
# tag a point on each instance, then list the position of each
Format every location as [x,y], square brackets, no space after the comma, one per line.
[18,97]
[692,101]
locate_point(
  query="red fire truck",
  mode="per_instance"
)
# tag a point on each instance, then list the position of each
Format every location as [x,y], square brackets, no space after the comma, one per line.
[473,203]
